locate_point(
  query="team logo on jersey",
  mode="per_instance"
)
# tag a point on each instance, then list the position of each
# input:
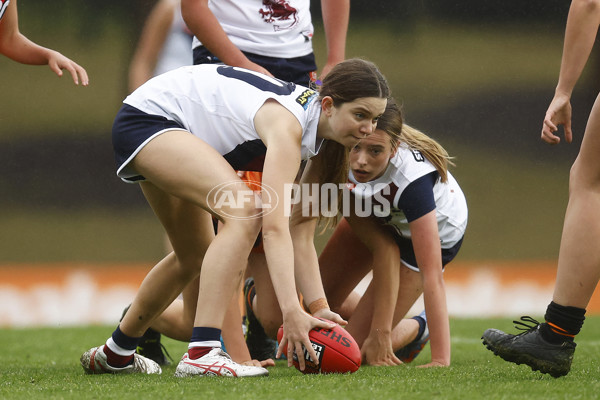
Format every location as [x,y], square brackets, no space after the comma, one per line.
[3,6]
[305,97]
[279,13]
[418,156]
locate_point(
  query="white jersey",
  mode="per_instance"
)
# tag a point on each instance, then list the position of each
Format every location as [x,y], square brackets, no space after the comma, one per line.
[3,7]
[176,51]
[403,169]
[273,28]
[217,103]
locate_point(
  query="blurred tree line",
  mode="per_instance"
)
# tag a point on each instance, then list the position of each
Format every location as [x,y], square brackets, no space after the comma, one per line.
[92,19]
[92,16]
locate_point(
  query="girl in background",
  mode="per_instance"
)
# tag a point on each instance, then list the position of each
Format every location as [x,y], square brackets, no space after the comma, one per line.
[14,45]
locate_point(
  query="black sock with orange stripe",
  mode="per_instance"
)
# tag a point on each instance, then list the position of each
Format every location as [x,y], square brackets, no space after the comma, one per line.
[562,323]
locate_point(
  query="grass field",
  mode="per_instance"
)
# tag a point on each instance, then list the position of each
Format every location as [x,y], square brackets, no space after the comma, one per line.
[43,363]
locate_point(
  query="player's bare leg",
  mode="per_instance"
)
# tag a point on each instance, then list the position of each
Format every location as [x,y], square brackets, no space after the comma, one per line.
[549,347]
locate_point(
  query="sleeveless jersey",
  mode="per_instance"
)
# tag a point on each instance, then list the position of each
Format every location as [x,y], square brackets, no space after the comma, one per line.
[3,7]
[217,103]
[273,28]
[403,169]
[176,51]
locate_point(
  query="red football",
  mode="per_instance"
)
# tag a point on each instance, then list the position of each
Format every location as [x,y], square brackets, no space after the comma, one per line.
[336,349]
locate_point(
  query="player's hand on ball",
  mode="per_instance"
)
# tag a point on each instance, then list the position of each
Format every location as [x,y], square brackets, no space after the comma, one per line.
[326,313]
[296,325]
[336,350]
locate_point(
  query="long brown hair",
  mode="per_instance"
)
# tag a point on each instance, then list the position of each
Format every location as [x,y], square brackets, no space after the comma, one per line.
[349,80]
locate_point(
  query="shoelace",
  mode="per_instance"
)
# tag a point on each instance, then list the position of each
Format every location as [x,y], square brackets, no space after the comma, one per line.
[162,346]
[527,324]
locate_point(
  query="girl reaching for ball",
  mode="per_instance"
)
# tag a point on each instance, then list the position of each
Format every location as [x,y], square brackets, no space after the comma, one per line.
[417,216]
[181,136]
[411,223]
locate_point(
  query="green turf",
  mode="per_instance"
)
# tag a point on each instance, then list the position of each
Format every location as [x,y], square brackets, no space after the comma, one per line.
[43,363]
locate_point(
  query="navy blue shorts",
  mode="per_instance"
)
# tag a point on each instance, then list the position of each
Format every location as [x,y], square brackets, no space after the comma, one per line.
[132,129]
[300,70]
[407,253]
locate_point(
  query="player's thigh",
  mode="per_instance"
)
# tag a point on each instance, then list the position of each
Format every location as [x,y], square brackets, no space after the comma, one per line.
[586,169]
[188,168]
[344,262]
[188,226]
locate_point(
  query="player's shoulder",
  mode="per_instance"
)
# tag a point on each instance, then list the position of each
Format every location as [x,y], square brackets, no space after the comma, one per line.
[409,164]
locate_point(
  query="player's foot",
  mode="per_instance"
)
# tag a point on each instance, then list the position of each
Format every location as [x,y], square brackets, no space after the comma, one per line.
[150,345]
[409,352]
[529,347]
[261,346]
[94,361]
[216,363]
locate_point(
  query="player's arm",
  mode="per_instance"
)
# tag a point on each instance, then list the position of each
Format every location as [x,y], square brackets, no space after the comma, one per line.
[281,132]
[206,27]
[152,40]
[302,226]
[336,14]
[426,244]
[14,45]
[580,35]
[377,347]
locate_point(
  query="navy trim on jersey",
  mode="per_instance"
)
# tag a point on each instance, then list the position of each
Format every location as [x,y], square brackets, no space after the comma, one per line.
[132,128]
[417,198]
[407,252]
[297,69]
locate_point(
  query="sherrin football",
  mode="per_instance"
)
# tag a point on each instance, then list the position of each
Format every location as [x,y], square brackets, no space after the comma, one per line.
[336,350]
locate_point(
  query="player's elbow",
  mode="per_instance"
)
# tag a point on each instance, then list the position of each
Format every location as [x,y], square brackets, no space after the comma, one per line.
[591,6]
[272,232]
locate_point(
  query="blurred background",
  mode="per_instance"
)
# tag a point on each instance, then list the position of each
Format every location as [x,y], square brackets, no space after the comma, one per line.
[475,75]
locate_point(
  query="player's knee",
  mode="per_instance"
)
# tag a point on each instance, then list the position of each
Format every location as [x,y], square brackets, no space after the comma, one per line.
[583,177]
[271,325]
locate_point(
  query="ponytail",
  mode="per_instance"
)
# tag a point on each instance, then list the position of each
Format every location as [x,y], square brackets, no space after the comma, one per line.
[401,134]
[431,150]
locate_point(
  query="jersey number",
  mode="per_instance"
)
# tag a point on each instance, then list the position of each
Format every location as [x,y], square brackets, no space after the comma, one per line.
[279,87]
